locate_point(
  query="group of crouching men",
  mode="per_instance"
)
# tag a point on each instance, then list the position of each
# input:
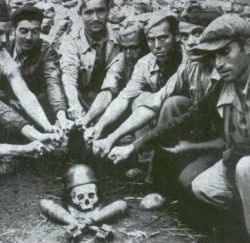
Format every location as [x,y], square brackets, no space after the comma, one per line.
[179,83]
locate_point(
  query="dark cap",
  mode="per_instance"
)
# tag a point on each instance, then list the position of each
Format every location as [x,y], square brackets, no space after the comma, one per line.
[222,31]
[200,13]
[130,33]
[158,17]
[4,12]
[26,12]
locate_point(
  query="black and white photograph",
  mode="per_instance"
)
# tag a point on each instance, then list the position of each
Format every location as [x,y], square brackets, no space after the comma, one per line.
[124,121]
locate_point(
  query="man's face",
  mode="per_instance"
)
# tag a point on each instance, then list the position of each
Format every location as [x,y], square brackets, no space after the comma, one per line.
[231,62]
[5,28]
[161,41]
[189,34]
[95,16]
[132,48]
[27,34]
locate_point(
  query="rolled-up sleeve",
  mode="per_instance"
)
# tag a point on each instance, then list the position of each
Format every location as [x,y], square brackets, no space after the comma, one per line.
[136,84]
[154,101]
[69,61]
[115,75]
[52,76]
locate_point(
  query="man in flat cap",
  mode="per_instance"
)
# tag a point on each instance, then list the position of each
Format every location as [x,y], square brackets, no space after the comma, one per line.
[39,64]
[86,57]
[133,43]
[150,75]
[193,108]
[227,41]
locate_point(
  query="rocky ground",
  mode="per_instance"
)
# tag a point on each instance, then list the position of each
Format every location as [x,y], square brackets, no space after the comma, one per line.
[22,221]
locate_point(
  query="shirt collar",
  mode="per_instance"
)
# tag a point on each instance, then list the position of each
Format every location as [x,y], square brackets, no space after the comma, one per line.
[154,67]
[86,46]
[228,96]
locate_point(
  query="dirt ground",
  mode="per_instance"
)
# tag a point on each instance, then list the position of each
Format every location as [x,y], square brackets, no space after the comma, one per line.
[21,219]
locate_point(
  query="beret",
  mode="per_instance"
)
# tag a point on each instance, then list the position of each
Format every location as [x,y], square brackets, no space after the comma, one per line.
[222,31]
[159,16]
[26,12]
[200,13]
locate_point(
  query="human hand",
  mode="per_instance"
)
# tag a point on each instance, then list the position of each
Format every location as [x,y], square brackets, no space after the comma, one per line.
[50,140]
[34,149]
[92,133]
[180,147]
[120,153]
[82,123]
[65,124]
[102,147]
[75,112]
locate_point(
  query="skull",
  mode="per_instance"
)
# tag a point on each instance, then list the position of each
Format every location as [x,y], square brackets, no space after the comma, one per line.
[84,197]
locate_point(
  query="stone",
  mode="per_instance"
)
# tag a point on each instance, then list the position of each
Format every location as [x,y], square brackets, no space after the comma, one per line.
[152,201]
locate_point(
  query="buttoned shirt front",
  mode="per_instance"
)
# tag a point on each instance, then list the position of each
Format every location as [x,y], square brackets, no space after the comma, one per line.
[78,58]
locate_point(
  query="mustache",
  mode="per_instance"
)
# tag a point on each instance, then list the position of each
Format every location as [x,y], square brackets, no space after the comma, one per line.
[96,22]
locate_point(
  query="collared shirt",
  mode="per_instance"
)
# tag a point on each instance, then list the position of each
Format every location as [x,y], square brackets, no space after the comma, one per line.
[78,58]
[237,123]
[193,80]
[41,72]
[147,76]
[117,75]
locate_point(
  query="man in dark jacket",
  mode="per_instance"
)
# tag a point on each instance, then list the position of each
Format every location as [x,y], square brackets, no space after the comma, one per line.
[39,64]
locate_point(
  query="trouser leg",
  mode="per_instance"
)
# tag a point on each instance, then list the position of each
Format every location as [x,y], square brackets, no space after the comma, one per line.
[242,178]
[172,108]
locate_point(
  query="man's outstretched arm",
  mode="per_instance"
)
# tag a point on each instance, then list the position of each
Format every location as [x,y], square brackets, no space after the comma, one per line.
[138,119]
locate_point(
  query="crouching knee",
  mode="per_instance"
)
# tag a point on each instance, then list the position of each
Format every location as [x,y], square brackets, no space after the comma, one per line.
[197,188]
[242,170]
[185,182]
[176,101]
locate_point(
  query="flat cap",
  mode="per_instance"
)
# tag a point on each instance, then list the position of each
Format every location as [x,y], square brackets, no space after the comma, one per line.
[200,13]
[159,16]
[222,31]
[4,12]
[26,12]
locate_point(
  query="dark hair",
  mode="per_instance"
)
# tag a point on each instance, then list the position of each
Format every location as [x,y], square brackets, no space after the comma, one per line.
[26,12]
[83,5]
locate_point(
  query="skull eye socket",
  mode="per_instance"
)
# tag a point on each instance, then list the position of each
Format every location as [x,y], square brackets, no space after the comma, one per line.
[91,195]
[80,196]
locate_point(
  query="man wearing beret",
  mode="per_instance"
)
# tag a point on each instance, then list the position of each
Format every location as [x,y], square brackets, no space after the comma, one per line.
[86,57]
[227,41]
[10,120]
[39,64]
[149,75]
[134,46]
[178,114]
